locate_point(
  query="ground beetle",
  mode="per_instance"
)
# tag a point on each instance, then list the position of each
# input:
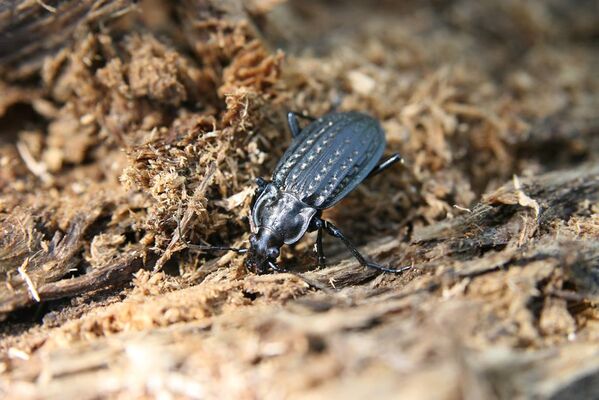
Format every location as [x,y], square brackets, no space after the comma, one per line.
[326,160]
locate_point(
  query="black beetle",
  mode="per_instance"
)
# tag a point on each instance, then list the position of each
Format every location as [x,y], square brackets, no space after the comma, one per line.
[326,160]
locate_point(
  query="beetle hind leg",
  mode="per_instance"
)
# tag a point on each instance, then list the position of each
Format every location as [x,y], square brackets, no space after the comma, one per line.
[334,231]
[386,269]
[388,162]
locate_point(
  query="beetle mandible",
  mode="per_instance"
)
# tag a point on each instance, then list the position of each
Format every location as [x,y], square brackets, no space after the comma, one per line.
[325,161]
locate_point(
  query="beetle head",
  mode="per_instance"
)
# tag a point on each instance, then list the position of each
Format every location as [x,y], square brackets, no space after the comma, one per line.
[265,246]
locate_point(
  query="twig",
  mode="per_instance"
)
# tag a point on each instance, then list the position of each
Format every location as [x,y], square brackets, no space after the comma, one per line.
[28,280]
[566,295]
[111,275]
[462,208]
[46,6]
[37,168]
[15,353]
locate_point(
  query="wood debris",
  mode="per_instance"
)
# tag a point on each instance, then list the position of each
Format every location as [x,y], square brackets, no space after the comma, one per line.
[130,129]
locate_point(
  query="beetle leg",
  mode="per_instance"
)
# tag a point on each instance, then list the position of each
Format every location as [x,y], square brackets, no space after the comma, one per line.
[319,249]
[294,124]
[385,164]
[272,265]
[317,224]
[334,231]
[261,183]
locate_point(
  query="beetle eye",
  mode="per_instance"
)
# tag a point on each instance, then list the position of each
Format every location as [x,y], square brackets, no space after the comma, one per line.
[273,252]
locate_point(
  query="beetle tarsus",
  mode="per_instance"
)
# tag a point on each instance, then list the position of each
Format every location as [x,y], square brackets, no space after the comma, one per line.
[317,225]
[272,265]
[386,269]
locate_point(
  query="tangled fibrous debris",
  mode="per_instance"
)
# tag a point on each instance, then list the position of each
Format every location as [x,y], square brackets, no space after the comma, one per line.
[130,129]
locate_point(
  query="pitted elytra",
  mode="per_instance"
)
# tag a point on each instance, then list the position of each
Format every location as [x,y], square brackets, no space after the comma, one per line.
[326,160]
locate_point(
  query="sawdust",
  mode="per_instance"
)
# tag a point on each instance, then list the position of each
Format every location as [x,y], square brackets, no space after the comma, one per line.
[129,130]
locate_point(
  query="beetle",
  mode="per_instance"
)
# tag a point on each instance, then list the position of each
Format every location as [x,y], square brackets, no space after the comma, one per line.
[326,160]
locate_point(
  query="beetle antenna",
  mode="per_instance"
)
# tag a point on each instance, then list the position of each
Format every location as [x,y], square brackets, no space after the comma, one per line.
[310,282]
[200,247]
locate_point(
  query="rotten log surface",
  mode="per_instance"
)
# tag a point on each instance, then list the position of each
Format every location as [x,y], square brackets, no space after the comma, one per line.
[322,318]
[111,276]
[126,130]
[32,30]
[487,227]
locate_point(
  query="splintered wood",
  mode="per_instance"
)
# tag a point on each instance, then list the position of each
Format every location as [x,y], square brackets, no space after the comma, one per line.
[130,129]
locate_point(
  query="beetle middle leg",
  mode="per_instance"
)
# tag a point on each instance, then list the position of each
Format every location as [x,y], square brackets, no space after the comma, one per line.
[319,249]
[317,224]
[395,158]
[334,231]
[294,124]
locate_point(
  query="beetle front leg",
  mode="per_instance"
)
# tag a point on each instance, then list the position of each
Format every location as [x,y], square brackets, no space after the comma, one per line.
[334,231]
[272,265]
[261,183]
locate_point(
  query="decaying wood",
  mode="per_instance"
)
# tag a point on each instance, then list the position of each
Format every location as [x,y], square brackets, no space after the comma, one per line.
[32,30]
[39,262]
[112,275]
[319,320]
[129,129]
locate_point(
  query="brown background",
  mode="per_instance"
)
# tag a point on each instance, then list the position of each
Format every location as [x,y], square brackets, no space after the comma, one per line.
[126,125]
